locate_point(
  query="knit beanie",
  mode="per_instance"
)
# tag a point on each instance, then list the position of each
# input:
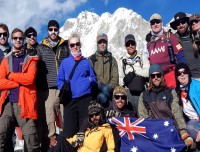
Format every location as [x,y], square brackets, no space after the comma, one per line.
[30,30]
[120,89]
[155,68]
[94,107]
[183,66]
[53,23]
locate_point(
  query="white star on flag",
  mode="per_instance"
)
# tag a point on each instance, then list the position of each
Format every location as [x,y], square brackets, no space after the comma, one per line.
[155,136]
[173,149]
[166,123]
[134,149]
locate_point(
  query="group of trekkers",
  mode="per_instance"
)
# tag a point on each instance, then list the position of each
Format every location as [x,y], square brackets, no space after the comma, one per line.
[161,83]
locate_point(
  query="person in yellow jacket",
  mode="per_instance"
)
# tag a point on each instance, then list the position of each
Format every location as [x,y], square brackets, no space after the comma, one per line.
[92,139]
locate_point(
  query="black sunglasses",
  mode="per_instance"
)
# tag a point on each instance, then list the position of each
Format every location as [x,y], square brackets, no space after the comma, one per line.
[155,21]
[158,75]
[130,43]
[102,41]
[182,72]
[73,44]
[5,34]
[194,21]
[31,35]
[18,38]
[117,97]
[53,29]
[95,114]
[181,22]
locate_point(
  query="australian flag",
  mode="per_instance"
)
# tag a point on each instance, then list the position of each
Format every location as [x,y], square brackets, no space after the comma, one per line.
[147,135]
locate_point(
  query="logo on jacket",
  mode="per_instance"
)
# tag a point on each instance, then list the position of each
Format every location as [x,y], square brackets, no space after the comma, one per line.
[158,50]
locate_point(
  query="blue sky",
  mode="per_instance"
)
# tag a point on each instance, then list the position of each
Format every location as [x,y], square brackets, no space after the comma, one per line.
[37,13]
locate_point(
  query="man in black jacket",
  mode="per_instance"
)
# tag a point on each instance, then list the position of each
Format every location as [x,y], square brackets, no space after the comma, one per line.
[51,52]
[31,39]
[181,24]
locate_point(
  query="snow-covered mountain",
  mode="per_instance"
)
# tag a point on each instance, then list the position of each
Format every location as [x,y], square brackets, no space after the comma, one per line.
[116,26]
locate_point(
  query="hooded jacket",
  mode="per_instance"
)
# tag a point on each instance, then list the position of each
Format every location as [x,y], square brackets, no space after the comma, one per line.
[24,80]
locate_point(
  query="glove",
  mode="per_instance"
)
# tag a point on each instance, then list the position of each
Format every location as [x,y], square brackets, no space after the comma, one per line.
[79,140]
[112,113]
[128,77]
[186,138]
[105,89]
[102,98]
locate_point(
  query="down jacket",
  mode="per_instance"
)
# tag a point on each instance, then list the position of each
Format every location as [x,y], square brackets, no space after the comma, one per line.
[25,82]
[94,139]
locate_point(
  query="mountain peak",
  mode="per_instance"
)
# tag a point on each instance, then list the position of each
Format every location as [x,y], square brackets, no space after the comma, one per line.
[117,25]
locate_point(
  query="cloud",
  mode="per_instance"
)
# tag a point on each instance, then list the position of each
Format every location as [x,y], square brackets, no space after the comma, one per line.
[36,13]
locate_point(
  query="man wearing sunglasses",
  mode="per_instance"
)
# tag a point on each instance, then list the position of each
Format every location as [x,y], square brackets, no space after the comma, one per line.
[51,52]
[18,97]
[4,45]
[181,24]
[135,67]
[161,102]
[97,136]
[106,69]
[195,29]
[164,49]
[119,104]
[31,39]
[188,90]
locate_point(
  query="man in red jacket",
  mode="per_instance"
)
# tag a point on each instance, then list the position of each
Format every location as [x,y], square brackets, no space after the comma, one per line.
[18,96]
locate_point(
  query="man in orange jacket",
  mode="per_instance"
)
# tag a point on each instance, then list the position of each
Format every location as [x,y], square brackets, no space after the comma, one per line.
[18,97]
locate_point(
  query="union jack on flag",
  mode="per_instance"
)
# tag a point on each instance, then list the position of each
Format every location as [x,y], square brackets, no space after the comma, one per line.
[147,135]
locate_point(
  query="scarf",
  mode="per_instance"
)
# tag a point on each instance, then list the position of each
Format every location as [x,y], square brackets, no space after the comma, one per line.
[17,54]
[77,56]
[157,34]
[52,43]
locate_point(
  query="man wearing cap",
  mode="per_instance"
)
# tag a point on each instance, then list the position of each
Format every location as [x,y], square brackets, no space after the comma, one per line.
[51,52]
[164,49]
[134,65]
[106,69]
[31,39]
[92,138]
[195,29]
[160,102]
[181,24]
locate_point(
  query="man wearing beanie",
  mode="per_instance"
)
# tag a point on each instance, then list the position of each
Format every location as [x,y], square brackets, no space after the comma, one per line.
[188,90]
[181,24]
[90,139]
[31,39]
[119,103]
[51,52]
[164,49]
[161,102]
[106,70]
